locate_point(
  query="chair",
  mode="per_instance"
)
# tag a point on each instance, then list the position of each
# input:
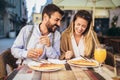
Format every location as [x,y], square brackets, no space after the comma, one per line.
[109,59]
[7,58]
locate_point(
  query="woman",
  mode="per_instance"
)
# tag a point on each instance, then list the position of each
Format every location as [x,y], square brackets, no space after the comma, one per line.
[78,38]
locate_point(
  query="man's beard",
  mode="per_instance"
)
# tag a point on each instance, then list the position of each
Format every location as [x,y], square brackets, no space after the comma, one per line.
[51,28]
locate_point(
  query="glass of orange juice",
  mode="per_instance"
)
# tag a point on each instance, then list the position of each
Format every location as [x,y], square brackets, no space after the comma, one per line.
[39,50]
[100,55]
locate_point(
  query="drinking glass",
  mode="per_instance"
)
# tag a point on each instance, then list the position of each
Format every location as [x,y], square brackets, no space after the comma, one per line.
[117,65]
[39,49]
[100,55]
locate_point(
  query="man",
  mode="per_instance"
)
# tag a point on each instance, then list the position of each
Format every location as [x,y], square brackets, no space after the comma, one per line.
[43,34]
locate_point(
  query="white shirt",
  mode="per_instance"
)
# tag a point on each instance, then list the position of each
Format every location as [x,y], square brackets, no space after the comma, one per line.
[78,50]
[19,49]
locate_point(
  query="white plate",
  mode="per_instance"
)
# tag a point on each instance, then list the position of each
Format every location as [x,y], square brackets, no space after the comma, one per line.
[77,65]
[33,63]
[57,61]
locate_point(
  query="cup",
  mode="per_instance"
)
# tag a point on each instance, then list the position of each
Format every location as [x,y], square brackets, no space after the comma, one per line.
[100,54]
[117,65]
[39,48]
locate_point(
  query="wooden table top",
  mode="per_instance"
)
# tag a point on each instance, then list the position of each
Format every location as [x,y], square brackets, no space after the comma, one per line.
[73,73]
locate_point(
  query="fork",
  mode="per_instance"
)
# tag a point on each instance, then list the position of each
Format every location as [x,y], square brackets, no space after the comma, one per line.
[42,61]
[86,58]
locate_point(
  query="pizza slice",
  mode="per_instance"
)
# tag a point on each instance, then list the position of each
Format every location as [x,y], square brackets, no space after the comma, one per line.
[47,66]
[82,62]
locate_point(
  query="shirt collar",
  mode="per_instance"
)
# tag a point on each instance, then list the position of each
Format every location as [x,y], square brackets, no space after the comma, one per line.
[37,26]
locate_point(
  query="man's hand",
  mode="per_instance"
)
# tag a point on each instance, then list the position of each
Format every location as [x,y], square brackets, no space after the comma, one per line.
[34,53]
[45,41]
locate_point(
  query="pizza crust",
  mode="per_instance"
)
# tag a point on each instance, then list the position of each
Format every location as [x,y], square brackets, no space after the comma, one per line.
[47,66]
[82,62]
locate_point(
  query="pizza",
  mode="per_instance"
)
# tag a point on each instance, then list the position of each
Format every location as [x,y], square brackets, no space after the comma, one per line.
[46,66]
[82,62]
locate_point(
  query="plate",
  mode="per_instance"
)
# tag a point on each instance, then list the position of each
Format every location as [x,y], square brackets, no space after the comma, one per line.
[79,62]
[57,61]
[46,67]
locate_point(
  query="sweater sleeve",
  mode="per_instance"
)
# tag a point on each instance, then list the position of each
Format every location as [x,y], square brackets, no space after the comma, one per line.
[65,44]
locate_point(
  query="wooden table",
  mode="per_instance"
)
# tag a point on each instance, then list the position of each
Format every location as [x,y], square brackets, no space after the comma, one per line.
[72,73]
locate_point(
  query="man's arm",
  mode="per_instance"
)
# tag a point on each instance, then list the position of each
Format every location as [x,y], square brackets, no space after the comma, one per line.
[19,46]
[54,51]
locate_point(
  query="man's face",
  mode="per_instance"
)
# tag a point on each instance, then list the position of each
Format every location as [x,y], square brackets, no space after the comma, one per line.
[53,22]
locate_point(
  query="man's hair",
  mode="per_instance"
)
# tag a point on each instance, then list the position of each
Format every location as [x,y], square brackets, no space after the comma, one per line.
[50,9]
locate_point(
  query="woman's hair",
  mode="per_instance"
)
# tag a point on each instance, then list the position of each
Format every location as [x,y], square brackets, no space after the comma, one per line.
[85,15]
[50,9]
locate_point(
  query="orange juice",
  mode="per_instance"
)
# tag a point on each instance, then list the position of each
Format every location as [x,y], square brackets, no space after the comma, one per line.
[100,55]
[39,50]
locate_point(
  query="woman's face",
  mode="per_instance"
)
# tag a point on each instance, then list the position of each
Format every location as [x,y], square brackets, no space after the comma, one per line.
[80,26]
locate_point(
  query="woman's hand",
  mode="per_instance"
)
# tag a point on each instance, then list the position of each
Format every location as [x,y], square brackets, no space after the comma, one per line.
[68,55]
